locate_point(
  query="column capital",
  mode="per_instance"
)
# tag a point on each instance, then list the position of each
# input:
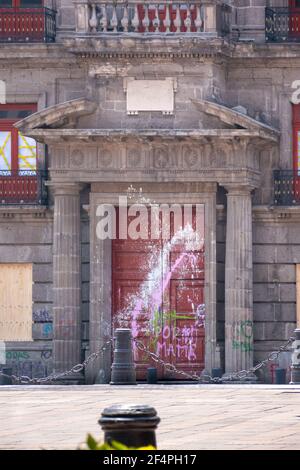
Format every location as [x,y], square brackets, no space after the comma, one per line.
[239,189]
[65,188]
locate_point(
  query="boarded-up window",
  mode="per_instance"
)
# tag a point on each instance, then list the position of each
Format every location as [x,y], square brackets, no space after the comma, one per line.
[298,293]
[16,302]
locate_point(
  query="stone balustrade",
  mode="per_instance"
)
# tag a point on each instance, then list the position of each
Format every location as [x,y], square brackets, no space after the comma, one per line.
[144,17]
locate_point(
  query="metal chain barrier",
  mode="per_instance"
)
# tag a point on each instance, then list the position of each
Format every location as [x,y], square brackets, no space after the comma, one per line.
[206,378]
[52,377]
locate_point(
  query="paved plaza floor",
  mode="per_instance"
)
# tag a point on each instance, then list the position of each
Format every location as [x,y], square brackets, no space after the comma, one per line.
[192,416]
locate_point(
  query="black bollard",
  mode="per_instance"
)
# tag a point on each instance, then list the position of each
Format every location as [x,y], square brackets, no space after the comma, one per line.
[123,367]
[295,368]
[216,372]
[152,375]
[132,425]
[6,378]
[280,376]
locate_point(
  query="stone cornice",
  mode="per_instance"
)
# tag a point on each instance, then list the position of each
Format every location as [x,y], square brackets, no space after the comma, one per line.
[276,214]
[19,54]
[122,135]
[252,50]
[268,214]
[130,46]
[135,45]
[19,213]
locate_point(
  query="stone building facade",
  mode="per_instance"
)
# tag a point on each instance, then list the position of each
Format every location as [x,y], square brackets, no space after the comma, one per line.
[218,130]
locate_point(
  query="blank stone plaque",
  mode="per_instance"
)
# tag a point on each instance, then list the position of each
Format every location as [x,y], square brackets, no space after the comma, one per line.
[150,95]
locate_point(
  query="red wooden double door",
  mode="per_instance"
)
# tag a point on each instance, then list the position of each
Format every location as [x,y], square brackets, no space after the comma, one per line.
[294,19]
[158,291]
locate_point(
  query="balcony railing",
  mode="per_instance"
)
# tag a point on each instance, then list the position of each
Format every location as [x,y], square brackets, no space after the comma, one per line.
[286,188]
[144,17]
[24,187]
[27,25]
[282,24]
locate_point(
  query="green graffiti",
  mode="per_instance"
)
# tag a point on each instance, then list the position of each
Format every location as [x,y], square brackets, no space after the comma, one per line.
[242,335]
[17,355]
[242,345]
[161,320]
[246,328]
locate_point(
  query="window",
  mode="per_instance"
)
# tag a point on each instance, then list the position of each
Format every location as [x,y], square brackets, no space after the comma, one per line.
[16,302]
[294,3]
[21,3]
[17,152]
[31,3]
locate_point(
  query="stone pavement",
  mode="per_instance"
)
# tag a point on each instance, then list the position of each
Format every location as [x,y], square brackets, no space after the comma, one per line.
[192,416]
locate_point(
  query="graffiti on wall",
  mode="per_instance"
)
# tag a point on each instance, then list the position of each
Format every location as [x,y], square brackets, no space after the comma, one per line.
[42,315]
[163,328]
[30,363]
[243,335]
[47,330]
[174,276]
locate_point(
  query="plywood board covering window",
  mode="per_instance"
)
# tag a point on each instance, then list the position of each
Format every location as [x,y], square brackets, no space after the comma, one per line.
[16,302]
[298,293]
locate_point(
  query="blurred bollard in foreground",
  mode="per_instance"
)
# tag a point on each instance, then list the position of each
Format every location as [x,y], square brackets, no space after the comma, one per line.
[132,425]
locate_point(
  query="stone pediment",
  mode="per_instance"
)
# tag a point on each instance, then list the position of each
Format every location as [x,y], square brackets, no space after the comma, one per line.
[227,151]
[61,115]
[236,119]
[59,123]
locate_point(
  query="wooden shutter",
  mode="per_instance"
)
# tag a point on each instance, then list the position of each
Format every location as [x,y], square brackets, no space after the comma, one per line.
[15,302]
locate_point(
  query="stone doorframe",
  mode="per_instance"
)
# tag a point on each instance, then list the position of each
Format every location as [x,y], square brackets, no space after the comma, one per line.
[101,262]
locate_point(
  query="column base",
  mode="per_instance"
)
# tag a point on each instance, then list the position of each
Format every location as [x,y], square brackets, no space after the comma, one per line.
[205,376]
[250,379]
[295,375]
[74,379]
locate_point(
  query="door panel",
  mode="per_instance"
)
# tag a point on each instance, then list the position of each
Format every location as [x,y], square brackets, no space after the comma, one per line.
[170,320]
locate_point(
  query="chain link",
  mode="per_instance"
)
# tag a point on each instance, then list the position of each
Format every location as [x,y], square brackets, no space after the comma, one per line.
[53,377]
[204,378]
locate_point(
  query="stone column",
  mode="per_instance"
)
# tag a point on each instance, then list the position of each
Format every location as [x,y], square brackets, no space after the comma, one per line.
[210,19]
[212,358]
[82,16]
[238,280]
[66,277]
[100,328]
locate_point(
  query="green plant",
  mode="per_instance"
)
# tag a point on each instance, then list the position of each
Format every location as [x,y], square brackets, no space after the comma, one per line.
[92,444]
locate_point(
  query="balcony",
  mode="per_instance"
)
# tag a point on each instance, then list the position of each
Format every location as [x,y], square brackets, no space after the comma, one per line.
[23,187]
[27,25]
[282,24]
[97,17]
[286,188]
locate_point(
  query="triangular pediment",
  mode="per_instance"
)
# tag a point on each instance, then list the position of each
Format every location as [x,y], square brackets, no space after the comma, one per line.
[61,122]
[62,115]
[233,118]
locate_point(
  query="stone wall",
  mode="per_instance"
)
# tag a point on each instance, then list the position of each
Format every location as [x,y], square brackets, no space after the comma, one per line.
[266,93]
[276,251]
[30,241]
[258,78]
[27,238]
